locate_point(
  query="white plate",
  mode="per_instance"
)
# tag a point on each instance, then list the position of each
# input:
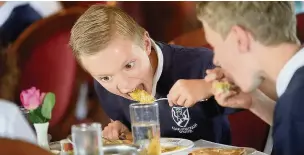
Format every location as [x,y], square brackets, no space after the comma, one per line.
[169,142]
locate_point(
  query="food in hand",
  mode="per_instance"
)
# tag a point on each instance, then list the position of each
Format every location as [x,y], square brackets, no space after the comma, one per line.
[108,142]
[124,138]
[142,96]
[218,151]
[222,87]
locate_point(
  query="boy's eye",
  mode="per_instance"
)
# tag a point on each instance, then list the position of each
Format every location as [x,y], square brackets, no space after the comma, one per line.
[106,78]
[130,65]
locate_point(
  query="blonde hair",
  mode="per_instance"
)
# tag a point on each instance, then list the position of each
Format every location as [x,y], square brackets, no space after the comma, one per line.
[9,76]
[94,30]
[270,23]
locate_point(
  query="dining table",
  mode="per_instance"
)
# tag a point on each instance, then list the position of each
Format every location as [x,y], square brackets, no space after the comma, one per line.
[197,144]
[207,144]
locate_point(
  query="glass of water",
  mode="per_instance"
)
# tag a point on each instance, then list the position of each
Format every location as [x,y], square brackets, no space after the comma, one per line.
[87,139]
[145,127]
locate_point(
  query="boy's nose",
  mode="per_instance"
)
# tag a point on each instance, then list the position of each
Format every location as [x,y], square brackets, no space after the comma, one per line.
[125,87]
[125,90]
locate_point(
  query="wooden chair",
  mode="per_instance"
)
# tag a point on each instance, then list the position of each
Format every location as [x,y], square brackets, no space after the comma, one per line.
[247,129]
[17,147]
[46,61]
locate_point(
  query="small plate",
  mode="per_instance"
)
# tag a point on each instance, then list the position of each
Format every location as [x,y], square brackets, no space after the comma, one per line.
[56,152]
[184,144]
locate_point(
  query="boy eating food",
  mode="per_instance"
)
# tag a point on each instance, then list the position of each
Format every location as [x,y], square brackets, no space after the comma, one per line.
[121,57]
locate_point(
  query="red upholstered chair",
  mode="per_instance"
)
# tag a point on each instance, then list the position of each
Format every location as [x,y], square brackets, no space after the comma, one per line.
[300,27]
[46,61]
[247,129]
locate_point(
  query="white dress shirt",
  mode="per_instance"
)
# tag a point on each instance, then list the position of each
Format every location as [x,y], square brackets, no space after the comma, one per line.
[13,125]
[285,75]
[159,68]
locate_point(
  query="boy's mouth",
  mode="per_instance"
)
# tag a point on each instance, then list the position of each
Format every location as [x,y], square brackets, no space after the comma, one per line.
[141,96]
[139,87]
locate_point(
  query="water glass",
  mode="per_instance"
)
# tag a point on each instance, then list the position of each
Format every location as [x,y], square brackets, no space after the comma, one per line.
[145,127]
[87,139]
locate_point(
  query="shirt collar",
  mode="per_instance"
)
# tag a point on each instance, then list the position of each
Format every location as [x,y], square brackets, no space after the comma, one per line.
[159,68]
[288,71]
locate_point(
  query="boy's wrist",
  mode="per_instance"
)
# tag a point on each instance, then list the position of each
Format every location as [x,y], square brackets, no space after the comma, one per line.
[206,88]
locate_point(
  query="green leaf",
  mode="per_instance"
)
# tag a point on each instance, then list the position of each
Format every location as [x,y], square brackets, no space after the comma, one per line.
[36,117]
[48,105]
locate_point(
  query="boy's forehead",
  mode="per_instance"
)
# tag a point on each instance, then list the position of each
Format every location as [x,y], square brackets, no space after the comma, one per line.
[113,57]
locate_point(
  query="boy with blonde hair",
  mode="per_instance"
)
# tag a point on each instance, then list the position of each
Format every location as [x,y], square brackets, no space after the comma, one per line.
[121,57]
[262,42]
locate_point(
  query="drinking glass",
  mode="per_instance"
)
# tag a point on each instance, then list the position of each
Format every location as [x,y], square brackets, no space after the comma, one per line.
[87,139]
[145,127]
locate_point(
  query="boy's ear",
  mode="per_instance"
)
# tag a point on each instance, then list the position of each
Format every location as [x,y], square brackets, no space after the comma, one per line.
[147,43]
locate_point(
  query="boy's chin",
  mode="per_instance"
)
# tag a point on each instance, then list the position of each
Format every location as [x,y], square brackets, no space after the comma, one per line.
[254,85]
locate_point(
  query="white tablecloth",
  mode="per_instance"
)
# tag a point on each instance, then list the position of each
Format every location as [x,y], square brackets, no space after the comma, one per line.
[203,143]
[197,144]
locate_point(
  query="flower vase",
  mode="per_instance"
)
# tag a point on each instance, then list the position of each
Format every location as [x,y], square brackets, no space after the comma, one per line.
[42,134]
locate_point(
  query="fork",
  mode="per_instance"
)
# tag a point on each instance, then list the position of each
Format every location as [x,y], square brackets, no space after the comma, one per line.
[161,99]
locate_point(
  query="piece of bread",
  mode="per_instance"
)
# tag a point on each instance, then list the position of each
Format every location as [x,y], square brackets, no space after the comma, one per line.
[108,142]
[222,87]
[218,151]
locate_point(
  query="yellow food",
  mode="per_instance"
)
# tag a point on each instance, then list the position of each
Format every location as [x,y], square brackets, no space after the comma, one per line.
[107,142]
[154,145]
[218,151]
[222,87]
[142,96]
[170,148]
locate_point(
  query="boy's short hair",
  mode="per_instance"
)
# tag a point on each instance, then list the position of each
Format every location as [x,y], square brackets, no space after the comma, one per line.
[270,23]
[99,25]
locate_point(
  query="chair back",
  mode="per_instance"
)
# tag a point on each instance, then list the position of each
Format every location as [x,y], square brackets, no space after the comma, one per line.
[46,61]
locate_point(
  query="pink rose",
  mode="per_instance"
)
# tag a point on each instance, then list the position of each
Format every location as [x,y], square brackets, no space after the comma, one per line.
[31,98]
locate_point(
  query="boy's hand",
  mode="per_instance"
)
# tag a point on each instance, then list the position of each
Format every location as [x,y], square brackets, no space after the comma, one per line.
[114,129]
[217,74]
[188,92]
[233,98]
